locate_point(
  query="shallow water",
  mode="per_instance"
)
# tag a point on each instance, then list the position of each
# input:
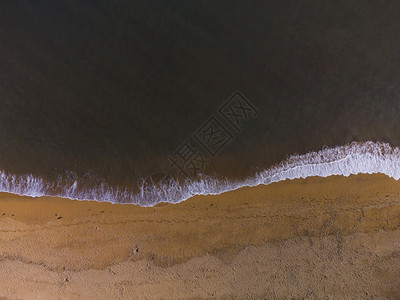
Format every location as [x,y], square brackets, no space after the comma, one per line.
[98,98]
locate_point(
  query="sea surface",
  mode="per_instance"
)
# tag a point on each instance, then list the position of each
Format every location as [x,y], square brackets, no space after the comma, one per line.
[150,101]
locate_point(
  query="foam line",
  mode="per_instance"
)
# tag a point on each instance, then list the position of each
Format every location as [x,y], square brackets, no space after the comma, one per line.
[354,158]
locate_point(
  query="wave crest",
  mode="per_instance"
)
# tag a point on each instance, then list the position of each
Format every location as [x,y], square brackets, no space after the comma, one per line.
[354,158]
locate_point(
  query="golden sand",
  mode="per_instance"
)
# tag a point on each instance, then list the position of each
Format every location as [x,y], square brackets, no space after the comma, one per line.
[333,237]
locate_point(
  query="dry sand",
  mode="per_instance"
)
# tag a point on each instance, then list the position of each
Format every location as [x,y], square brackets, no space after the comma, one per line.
[327,238]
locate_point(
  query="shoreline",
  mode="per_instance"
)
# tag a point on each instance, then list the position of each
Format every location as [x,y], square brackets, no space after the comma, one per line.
[209,246]
[350,159]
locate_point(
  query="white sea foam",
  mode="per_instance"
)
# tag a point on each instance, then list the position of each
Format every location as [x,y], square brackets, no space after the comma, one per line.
[354,158]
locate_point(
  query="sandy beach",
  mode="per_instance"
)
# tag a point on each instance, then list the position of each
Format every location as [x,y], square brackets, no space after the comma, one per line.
[336,237]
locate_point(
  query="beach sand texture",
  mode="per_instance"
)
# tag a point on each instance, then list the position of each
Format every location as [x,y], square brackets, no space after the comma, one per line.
[335,237]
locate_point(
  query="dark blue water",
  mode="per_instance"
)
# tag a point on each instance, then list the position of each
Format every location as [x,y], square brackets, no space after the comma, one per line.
[105,93]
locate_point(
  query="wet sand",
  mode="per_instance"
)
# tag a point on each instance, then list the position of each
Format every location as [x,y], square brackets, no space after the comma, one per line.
[336,237]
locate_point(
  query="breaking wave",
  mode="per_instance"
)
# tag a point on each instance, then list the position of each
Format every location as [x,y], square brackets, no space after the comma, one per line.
[354,158]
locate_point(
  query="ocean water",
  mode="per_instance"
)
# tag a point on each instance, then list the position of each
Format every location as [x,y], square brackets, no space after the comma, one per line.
[150,101]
